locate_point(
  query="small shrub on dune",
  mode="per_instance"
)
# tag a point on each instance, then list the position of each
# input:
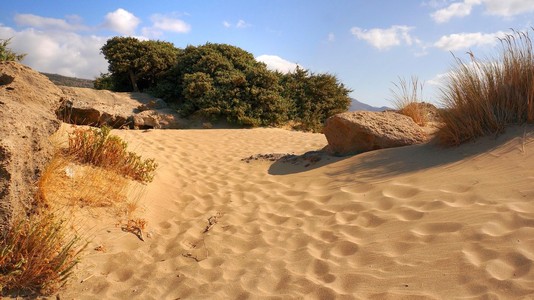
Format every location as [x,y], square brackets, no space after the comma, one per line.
[484,96]
[97,147]
[406,100]
[37,255]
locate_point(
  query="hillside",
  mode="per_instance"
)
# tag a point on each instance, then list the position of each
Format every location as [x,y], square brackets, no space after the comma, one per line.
[69,81]
[357,105]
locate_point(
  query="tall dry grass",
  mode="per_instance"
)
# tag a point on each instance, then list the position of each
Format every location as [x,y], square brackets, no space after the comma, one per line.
[407,99]
[484,96]
[37,255]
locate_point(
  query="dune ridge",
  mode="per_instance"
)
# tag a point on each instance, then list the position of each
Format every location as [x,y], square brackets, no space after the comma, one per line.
[417,222]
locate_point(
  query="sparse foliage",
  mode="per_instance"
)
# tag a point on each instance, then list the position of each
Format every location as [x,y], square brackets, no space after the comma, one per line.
[6,54]
[407,99]
[97,147]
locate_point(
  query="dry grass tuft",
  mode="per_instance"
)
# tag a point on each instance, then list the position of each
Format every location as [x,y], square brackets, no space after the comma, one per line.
[98,148]
[484,96]
[406,100]
[37,255]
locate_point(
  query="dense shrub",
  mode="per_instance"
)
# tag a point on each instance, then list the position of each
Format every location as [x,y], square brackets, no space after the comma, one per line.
[313,97]
[218,80]
[222,81]
[142,62]
[484,96]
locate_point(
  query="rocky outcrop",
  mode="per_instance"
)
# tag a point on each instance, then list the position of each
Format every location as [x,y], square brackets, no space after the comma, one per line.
[28,101]
[83,106]
[361,131]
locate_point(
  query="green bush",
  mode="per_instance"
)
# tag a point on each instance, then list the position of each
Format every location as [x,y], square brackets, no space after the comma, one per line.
[223,81]
[7,54]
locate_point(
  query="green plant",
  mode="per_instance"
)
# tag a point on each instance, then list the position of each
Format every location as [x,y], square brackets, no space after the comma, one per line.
[7,54]
[97,147]
[407,99]
[484,96]
[37,255]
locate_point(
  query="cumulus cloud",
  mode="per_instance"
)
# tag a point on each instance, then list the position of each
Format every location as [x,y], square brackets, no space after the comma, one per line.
[459,41]
[384,39]
[276,63]
[458,9]
[122,21]
[501,8]
[163,23]
[69,53]
[49,23]
[508,8]
[227,24]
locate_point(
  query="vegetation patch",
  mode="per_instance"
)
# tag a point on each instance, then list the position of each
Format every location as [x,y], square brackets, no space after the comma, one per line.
[484,96]
[98,148]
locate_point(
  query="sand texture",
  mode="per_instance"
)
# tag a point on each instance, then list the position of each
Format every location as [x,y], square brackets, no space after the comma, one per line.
[417,222]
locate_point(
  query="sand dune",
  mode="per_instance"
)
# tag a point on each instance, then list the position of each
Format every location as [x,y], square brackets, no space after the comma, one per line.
[417,222]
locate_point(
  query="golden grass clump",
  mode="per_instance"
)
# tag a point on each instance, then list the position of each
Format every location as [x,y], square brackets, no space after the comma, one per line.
[37,255]
[98,148]
[38,252]
[484,96]
[406,100]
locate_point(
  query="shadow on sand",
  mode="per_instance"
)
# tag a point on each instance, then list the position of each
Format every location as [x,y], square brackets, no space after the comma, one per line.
[385,163]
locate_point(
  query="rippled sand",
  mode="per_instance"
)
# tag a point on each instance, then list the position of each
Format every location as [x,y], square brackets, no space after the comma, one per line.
[416,222]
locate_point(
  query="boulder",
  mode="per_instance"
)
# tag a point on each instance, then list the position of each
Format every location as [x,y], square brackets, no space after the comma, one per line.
[28,101]
[158,119]
[84,106]
[361,131]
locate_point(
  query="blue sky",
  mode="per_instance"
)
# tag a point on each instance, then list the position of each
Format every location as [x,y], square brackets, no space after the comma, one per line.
[366,44]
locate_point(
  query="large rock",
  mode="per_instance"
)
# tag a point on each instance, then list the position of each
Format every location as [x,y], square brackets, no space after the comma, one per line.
[28,101]
[84,106]
[361,131]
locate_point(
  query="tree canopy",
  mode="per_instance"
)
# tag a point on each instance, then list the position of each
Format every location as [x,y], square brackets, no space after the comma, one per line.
[139,61]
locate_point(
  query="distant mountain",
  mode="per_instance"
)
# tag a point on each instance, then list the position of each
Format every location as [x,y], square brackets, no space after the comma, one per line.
[69,81]
[357,105]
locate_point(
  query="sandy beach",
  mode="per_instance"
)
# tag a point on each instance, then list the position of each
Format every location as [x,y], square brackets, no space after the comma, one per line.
[417,222]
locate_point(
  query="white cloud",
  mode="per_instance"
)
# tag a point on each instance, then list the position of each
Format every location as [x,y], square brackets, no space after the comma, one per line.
[276,63]
[439,79]
[162,23]
[170,24]
[68,53]
[459,41]
[331,37]
[121,21]
[503,8]
[383,39]
[240,24]
[458,9]
[508,8]
[49,23]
